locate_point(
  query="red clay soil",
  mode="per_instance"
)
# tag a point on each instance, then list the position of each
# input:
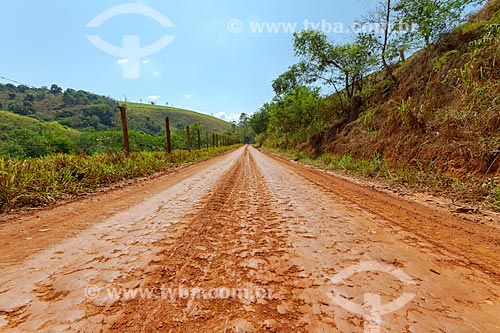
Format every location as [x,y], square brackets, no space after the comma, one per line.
[248,242]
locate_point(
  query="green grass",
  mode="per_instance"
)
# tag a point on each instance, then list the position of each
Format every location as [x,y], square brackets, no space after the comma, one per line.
[43,181]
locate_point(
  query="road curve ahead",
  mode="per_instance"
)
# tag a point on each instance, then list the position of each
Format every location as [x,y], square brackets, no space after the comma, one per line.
[247,242]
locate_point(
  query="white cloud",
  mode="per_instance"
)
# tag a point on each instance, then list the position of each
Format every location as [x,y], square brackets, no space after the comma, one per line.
[228,117]
[156,73]
[146,61]
[153,98]
[186,95]
[123,61]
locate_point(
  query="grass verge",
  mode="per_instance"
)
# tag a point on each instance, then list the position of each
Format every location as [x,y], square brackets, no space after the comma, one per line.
[37,182]
[467,189]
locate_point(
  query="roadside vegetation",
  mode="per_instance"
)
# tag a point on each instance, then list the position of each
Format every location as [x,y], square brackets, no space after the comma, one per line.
[415,101]
[43,181]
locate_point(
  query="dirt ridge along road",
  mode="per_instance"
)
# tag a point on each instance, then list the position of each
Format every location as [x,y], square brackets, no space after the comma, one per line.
[287,231]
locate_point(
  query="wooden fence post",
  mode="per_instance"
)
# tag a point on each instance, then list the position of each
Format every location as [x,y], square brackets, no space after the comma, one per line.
[199,140]
[188,139]
[213,140]
[167,129]
[206,134]
[126,142]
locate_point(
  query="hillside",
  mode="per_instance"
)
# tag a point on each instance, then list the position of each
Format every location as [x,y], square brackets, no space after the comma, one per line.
[431,121]
[151,119]
[43,121]
[442,116]
[88,112]
[444,109]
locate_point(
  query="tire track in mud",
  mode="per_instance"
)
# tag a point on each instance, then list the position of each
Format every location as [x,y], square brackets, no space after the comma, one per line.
[235,243]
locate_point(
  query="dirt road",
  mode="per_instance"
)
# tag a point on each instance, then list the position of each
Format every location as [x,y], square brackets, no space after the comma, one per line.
[248,242]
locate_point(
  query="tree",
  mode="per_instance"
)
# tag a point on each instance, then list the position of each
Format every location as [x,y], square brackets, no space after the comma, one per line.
[385,33]
[247,133]
[22,88]
[319,58]
[291,115]
[341,66]
[259,121]
[10,87]
[55,89]
[29,98]
[431,18]
[21,108]
[288,81]
[69,97]
[99,114]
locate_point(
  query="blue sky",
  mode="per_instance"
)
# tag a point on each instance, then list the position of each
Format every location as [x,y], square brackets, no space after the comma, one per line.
[210,67]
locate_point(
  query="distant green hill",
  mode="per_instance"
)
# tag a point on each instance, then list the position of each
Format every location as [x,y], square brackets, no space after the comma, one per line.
[42,121]
[89,112]
[22,136]
[151,119]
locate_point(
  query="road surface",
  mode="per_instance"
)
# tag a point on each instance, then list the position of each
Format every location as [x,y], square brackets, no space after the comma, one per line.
[248,242]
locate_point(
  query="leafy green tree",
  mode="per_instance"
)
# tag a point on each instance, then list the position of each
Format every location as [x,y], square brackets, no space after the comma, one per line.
[342,66]
[30,107]
[10,87]
[248,135]
[40,95]
[55,89]
[292,114]
[431,18]
[22,88]
[180,126]
[289,80]
[69,97]
[29,98]
[260,120]
[97,114]
[18,107]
